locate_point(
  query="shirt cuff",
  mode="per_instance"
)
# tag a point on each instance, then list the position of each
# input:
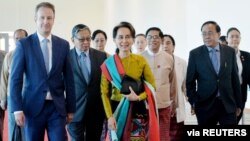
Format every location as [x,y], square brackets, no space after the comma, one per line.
[17,112]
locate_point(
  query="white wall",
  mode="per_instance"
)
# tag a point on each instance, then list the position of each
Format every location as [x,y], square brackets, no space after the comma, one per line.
[227,13]
[181,18]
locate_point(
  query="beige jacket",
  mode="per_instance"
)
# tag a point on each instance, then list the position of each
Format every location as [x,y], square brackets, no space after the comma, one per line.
[4,81]
[162,66]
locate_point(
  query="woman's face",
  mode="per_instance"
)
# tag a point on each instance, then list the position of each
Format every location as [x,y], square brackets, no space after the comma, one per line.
[233,39]
[124,39]
[140,43]
[99,42]
[167,45]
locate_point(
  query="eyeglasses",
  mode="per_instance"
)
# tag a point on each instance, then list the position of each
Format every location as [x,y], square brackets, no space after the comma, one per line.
[150,37]
[88,39]
[207,34]
[127,37]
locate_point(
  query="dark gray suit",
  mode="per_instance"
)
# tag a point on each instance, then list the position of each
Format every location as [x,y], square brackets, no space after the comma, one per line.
[203,85]
[90,114]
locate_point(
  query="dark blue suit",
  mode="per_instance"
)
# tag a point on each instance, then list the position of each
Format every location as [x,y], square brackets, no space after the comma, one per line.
[28,60]
[89,114]
[203,85]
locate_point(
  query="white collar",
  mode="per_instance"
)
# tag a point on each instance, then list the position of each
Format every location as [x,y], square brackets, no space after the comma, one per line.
[40,37]
[238,53]
[79,52]
[152,53]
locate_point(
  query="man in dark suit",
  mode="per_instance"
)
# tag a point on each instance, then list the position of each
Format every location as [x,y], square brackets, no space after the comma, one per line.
[243,63]
[48,92]
[213,87]
[88,120]
[245,60]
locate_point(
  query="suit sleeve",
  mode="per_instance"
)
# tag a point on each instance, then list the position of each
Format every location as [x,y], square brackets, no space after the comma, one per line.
[191,80]
[16,78]
[248,65]
[69,82]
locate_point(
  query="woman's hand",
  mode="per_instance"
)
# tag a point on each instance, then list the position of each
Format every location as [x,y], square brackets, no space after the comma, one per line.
[132,96]
[112,123]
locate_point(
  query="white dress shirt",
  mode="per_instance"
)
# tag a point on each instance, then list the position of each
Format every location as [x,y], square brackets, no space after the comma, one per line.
[239,64]
[41,38]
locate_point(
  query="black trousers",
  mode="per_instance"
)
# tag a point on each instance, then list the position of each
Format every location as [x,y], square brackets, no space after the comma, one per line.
[216,113]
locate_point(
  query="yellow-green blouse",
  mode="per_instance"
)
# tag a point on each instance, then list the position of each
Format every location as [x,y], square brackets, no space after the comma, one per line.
[135,66]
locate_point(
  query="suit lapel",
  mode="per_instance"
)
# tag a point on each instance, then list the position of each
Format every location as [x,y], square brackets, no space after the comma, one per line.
[38,51]
[93,62]
[242,58]
[244,64]
[55,54]
[208,60]
[223,63]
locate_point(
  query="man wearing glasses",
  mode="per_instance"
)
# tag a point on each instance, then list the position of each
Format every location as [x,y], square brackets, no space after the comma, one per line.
[162,66]
[86,61]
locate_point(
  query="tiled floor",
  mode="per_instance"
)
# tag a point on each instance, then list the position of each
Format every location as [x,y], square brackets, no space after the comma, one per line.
[5,130]
[190,119]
